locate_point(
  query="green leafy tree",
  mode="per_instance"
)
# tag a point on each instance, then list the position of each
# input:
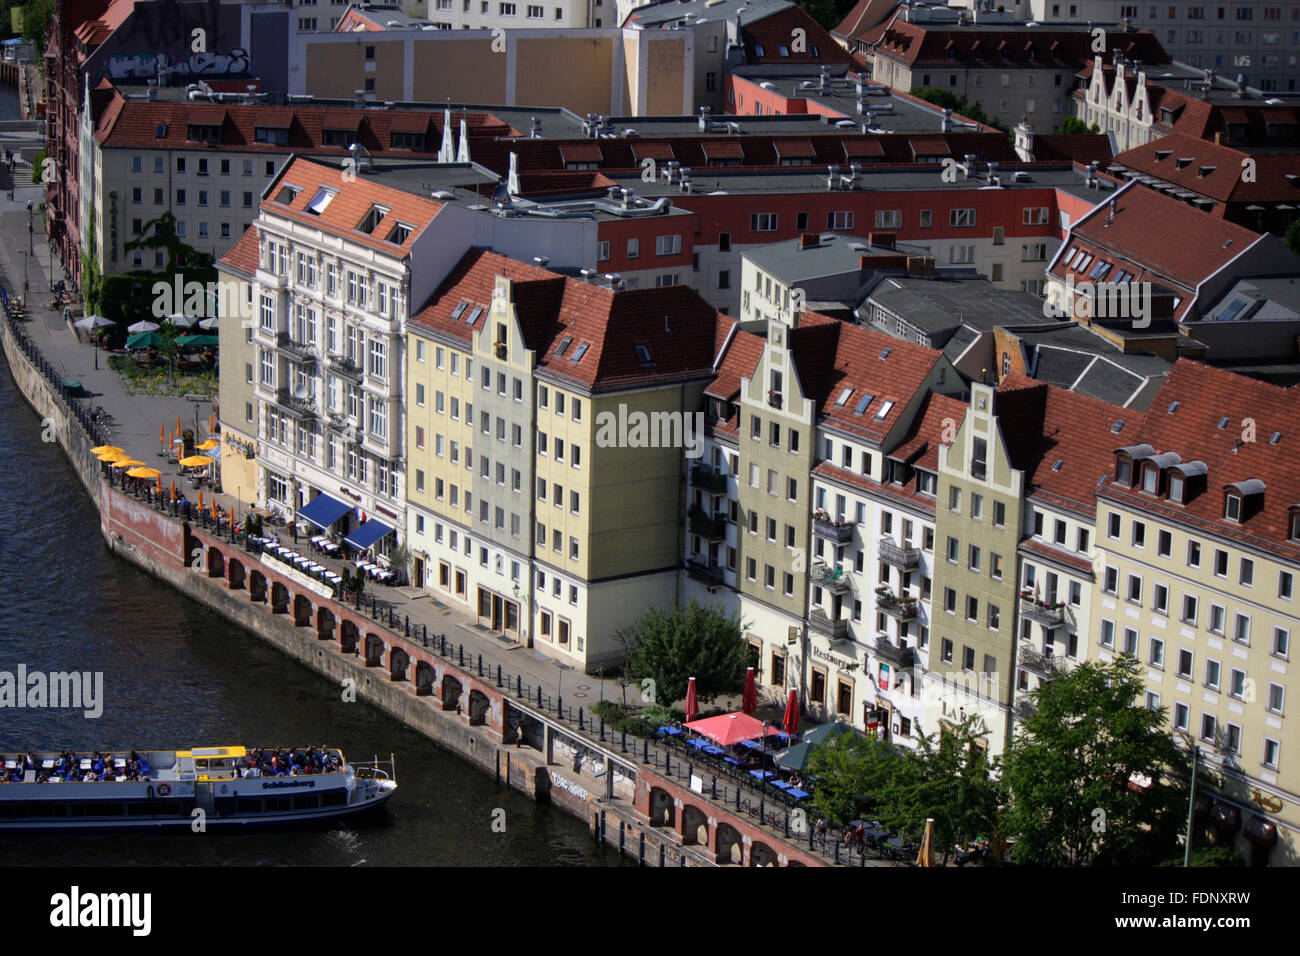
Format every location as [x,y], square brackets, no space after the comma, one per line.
[950,781]
[959,105]
[1215,856]
[1069,773]
[851,772]
[669,645]
[169,348]
[1072,125]
[37,15]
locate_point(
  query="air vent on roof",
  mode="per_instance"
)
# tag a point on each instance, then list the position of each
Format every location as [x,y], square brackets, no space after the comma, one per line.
[1117,427]
[460,308]
[582,350]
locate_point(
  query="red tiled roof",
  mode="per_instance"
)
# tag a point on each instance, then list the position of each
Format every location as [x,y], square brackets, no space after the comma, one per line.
[351,202]
[1254,410]
[581,153]
[581,332]
[740,361]
[1043,424]
[658,151]
[242,257]
[776,31]
[1076,147]
[1050,552]
[1215,171]
[918,44]
[794,148]
[920,448]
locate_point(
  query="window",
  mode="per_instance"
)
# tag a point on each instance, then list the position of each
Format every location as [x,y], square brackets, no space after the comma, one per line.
[668,245]
[890,218]
[961,217]
[762,222]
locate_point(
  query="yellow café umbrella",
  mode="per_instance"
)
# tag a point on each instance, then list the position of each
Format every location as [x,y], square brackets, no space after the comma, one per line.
[113,456]
[145,473]
[127,463]
[195,461]
[106,450]
[207,445]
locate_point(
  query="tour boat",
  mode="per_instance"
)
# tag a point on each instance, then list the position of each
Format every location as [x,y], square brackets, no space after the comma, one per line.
[173,785]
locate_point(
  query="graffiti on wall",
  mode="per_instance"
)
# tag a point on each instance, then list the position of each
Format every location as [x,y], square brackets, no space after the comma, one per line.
[147,66]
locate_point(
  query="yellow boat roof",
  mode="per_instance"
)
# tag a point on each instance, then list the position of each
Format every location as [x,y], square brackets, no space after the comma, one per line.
[202,752]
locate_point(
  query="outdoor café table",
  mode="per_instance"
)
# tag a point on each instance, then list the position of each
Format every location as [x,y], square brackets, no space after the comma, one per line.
[713,751]
[697,743]
[780,784]
[751,744]
[798,794]
[332,577]
[733,761]
[760,774]
[670,731]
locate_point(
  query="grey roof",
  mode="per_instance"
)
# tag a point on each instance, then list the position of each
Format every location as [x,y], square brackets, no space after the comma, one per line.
[800,179]
[941,304]
[1072,356]
[673,11]
[1257,299]
[835,254]
[887,113]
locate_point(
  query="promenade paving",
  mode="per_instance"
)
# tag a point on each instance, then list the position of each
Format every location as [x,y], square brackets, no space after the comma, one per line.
[135,429]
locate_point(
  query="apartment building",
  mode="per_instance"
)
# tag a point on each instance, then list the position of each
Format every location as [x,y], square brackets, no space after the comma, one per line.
[824,413]
[1257,40]
[241,410]
[479,15]
[547,442]
[1198,534]
[1015,72]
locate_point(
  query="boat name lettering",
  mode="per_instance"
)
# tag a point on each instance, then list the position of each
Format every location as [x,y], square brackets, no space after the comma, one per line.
[278,784]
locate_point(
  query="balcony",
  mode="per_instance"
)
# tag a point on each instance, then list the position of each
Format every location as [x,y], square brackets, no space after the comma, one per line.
[706,572]
[711,529]
[836,580]
[837,630]
[774,399]
[346,368]
[1045,666]
[1024,708]
[894,654]
[906,559]
[837,531]
[902,609]
[708,479]
[295,351]
[1049,614]
[300,408]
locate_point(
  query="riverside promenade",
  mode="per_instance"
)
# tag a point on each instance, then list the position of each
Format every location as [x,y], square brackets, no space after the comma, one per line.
[545,705]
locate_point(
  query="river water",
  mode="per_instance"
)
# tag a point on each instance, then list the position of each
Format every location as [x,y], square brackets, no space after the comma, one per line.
[175,675]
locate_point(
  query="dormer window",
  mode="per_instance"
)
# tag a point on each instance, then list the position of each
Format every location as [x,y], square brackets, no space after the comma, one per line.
[1242,499]
[372,219]
[1151,479]
[1176,487]
[1123,471]
[1293,524]
[1232,508]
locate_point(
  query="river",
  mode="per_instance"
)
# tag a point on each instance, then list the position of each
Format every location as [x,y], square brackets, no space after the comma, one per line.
[176,675]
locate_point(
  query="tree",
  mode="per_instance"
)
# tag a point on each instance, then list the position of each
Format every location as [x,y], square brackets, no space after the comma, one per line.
[828,13]
[959,105]
[1074,125]
[36,24]
[669,645]
[1070,768]
[169,348]
[953,783]
[851,771]
[1293,237]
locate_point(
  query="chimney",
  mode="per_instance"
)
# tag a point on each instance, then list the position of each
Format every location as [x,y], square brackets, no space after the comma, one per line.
[832,173]
[542,261]
[920,265]
[885,240]
[945,124]
[537,128]
[809,240]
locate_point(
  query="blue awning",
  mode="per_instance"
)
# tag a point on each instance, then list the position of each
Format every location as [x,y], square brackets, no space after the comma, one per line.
[323,510]
[366,535]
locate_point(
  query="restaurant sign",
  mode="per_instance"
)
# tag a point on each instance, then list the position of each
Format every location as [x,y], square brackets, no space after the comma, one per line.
[840,662]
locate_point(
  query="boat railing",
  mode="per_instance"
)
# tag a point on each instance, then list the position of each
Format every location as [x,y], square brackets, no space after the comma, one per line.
[376,769]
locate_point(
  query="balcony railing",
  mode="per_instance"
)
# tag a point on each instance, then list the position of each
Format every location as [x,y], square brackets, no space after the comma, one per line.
[712,529]
[837,630]
[297,351]
[835,579]
[906,559]
[901,609]
[1046,666]
[1047,615]
[705,571]
[837,532]
[709,479]
[345,367]
[895,654]
[297,407]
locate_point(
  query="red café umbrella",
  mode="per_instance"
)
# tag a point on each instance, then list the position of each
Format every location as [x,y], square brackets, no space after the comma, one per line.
[749,702]
[728,729]
[790,723]
[692,701]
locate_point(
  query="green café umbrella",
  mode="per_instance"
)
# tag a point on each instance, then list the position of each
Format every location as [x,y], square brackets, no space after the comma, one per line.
[794,758]
[143,340]
[819,735]
[198,341]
